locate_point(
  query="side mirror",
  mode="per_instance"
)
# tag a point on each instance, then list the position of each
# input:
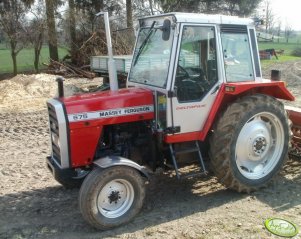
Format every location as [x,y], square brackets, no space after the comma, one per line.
[166,30]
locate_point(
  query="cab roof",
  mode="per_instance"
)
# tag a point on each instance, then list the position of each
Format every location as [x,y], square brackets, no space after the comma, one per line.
[180,17]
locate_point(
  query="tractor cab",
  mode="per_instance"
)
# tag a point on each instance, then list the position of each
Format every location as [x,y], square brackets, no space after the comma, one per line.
[186,58]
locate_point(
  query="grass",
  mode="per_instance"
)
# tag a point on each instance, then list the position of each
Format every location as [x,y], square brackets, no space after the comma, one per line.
[25,59]
[283,58]
[287,47]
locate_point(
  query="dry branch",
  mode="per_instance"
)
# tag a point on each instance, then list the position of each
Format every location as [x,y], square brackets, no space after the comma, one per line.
[68,70]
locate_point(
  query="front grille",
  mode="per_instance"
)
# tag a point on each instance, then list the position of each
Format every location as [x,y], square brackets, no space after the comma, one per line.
[54,129]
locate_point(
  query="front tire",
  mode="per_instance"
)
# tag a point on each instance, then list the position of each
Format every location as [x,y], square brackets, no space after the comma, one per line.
[250,142]
[111,197]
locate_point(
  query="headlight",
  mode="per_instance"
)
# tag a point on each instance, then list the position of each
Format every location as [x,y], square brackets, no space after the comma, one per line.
[53,126]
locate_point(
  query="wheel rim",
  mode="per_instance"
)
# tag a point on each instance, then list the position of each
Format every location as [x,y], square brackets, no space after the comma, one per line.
[259,145]
[115,198]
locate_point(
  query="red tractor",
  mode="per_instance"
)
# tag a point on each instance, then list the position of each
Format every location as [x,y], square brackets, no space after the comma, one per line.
[195,87]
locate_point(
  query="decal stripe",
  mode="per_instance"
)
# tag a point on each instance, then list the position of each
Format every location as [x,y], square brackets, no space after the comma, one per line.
[110,113]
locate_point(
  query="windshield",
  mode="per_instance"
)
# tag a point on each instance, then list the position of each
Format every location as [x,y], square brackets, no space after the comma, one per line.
[151,58]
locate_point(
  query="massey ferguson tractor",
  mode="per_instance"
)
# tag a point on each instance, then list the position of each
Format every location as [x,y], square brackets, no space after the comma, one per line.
[195,91]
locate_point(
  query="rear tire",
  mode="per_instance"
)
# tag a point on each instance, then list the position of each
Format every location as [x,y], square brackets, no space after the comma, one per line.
[250,142]
[111,197]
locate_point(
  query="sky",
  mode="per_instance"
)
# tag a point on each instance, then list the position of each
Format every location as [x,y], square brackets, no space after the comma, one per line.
[288,11]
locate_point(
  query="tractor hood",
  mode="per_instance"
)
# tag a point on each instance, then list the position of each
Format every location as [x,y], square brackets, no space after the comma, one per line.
[109,107]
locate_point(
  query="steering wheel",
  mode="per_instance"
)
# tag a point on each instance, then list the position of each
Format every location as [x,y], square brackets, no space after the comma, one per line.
[181,69]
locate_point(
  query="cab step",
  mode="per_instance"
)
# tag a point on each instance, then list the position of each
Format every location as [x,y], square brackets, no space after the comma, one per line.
[195,148]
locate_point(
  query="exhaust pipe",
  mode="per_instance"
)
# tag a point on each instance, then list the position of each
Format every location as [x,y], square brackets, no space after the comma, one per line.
[111,61]
[275,75]
[60,86]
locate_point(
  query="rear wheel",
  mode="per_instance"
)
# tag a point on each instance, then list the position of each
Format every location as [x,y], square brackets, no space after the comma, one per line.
[111,197]
[250,142]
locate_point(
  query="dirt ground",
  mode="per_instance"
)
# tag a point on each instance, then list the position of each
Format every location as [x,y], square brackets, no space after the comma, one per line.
[34,205]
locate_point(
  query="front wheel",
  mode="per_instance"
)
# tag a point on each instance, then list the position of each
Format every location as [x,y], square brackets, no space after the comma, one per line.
[111,197]
[250,142]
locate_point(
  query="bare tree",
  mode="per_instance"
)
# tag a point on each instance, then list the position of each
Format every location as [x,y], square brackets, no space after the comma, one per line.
[229,7]
[72,30]
[269,16]
[180,5]
[278,31]
[12,19]
[288,31]
[129,14]
[129,19]
[151,6]
[233,7]
[52,36]
[35,31]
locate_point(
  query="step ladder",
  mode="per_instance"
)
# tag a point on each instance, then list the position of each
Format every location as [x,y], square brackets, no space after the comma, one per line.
[192,149]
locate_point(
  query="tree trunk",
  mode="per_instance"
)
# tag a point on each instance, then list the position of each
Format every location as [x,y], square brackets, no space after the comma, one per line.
[37,51]
[73,48]
[151,6]
[14,57]
[13,54]
[36,60]
[129,15]
[129,20]
[98,5]
[52,36]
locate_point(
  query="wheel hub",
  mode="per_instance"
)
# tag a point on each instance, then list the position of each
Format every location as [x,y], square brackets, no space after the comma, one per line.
[114,197]
[256,146]
[259,145]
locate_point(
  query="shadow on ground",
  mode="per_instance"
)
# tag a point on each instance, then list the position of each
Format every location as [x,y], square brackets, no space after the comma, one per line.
[53,211]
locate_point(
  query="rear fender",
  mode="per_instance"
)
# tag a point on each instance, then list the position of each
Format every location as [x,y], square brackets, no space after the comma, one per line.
[111,161]
[275,89]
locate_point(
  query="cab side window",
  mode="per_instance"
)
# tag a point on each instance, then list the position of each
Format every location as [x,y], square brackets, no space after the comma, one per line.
[237,54]
[197,66]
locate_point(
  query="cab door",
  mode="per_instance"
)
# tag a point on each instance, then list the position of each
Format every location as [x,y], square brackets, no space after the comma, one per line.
[195,81]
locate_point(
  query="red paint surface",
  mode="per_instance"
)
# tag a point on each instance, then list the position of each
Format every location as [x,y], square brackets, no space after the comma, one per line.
[83,145]
[294,115]
[276,89]
[84,135]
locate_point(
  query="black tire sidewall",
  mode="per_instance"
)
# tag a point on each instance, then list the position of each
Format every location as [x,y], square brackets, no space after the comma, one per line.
[248,115]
